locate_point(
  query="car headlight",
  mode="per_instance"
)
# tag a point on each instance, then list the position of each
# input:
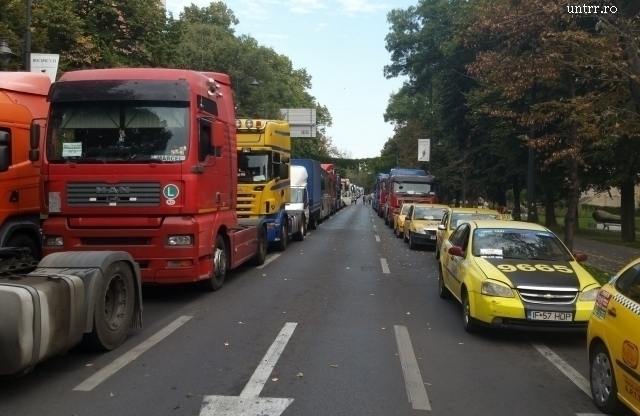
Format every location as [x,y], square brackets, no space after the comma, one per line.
[590,295]
[420,231]
[496,289]
[180,240]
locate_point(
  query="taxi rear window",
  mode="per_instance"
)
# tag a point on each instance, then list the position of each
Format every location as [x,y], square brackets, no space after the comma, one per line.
[518,244]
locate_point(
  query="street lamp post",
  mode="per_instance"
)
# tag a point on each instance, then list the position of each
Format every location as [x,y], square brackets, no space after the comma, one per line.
[6,53]
[254,84]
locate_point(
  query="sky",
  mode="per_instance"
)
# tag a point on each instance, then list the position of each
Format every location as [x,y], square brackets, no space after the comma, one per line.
[341,45]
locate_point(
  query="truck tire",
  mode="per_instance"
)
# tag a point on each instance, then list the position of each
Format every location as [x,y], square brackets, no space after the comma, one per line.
[284,236]
[23,240]
[299,236]
[216,279]
[261,255]
[313,221]
[114,308]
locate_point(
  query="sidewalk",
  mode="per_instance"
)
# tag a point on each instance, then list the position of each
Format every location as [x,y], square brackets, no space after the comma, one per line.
[605,256]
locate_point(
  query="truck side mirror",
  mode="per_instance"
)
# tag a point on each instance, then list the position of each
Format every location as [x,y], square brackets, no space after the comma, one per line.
[283,171]
[5,155]
[218,138]
[35,136]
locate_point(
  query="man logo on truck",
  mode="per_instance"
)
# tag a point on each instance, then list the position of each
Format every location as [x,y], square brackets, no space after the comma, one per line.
[112,190]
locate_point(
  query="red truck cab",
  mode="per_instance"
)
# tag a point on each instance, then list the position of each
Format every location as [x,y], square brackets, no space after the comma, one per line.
[144,160]
[408,189]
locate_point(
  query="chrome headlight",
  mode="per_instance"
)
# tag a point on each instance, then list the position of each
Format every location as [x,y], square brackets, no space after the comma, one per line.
[590,295]
[180,240]
[249,123]
[496,289]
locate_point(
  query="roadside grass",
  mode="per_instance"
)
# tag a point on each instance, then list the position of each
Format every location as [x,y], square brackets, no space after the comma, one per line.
[602,276]
[603,236]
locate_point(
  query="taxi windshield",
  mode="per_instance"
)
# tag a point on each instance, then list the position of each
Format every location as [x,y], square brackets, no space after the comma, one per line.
[423,213]
[518,244]
[460,217]
[405,209]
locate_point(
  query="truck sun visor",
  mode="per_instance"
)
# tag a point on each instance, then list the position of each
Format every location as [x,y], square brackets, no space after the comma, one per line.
[119,90]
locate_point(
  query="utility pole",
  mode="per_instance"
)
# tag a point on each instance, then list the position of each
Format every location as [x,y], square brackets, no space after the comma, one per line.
[431,142]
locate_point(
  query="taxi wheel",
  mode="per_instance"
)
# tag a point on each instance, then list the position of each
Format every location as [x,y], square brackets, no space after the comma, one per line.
[442,289]
[467,319]
[603,383]
[412,245]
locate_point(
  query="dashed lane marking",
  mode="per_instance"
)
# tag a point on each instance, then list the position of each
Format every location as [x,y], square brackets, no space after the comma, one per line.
[377,238]
[270,259]
[412,378]
[385,266]
[562,365]
[93,381]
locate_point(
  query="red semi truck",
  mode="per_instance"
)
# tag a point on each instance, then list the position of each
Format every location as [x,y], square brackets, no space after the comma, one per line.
[145,161]
[334,188]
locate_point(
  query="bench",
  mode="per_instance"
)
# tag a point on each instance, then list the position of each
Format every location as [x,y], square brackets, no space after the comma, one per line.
[606,219]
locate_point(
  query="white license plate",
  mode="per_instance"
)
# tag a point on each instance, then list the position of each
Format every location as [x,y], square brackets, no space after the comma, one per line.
[432,237]
[549,316]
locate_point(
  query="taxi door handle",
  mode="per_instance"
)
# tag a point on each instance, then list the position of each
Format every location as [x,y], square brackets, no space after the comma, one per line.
[612,312]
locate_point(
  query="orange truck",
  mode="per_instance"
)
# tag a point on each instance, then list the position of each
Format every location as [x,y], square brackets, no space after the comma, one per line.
[23,98]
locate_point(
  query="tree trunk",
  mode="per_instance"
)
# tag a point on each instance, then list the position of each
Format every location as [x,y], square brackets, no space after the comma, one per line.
[516,198]
[550,207]
[571,219]
[627,211]
[630,10]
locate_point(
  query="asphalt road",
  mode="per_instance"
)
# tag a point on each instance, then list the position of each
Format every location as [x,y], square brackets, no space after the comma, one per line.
[364,305]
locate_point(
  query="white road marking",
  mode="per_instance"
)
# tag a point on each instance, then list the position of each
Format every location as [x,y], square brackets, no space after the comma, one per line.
[578,380]
[385,266]
[377,238]
[412,378]
[261,375]
[269,260]
[248,403]
[93,381]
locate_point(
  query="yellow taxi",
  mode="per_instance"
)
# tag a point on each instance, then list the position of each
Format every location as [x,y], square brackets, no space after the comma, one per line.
[421,223]
[398,220]
[516,275]
[456,216]
[613,342]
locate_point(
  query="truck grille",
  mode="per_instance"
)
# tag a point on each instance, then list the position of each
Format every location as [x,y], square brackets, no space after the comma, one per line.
[548,295]
[120,194]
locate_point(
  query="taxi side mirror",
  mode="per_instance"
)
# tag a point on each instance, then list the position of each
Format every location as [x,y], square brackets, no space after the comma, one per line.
[455,251]
[441,227]
[580,256]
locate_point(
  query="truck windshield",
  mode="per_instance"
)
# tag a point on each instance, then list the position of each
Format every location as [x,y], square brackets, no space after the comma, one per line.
[411,188]
[254,168]
[118,131]
[297,195]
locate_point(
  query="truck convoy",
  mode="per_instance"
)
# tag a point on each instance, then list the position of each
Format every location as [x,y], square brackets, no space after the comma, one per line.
[264,186]
[144,160]
[406,186]
[23,98]
[299,202]
[346,191]
[314,189]
[380,192]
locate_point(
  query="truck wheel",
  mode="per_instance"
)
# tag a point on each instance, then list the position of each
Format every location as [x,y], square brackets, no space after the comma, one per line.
[23,240]
[261,255]
[299,236]
[284,236]
[114,308]
[386,220]
[313,222]
[219,268]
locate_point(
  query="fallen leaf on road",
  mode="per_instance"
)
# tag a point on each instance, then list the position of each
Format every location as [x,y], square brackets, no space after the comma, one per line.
[283,312]
[371,294]
[190,395]
[241,323]
[408,313]
[88,365]
[177,407]
[334,365]
[274,379]
[264,274]
[428,384]
[384,328]
[300,375]
[111,394]
[226,344]
[461,343]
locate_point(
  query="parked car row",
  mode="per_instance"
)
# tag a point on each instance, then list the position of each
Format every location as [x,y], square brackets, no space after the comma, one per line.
[518,275]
